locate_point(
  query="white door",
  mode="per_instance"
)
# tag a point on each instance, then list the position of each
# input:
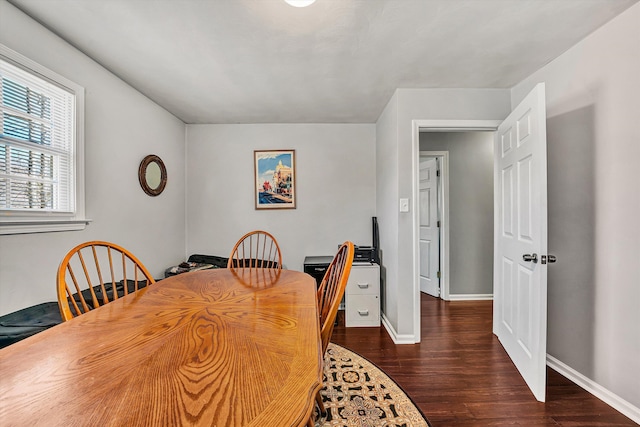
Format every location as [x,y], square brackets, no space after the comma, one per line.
[520,270]
[429,232]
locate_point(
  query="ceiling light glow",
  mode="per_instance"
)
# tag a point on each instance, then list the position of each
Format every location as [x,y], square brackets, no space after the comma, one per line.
[300,3]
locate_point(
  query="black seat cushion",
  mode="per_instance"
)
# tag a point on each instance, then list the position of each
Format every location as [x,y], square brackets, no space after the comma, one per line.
[254,263]
[29,321]
[108,287]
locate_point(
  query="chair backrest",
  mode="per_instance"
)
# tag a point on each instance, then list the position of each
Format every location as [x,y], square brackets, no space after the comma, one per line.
[256,249]
[95,273]
[332,289]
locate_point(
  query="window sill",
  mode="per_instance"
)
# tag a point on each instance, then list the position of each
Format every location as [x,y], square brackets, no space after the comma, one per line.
[33,226]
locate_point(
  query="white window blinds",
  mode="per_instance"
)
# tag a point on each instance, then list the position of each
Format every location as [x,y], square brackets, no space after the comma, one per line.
[37,125]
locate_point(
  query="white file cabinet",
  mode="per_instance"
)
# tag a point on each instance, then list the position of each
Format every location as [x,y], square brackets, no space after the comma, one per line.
[362,296]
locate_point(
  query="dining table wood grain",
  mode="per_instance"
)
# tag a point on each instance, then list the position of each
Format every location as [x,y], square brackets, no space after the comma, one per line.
[206,348]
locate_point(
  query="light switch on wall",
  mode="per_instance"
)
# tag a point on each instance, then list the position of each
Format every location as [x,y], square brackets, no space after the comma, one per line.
[404,205]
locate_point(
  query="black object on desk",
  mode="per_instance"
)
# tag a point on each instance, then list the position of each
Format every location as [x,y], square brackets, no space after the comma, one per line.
[316,266]
[197,262]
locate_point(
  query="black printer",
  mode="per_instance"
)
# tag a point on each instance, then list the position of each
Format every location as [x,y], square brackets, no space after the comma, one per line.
[365,254]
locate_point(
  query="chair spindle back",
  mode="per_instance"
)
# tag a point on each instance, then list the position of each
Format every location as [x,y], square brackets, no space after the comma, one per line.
[332,289]
[256,249]
[95,273]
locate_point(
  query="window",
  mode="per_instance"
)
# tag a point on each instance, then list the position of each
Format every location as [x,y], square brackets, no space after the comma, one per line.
[41,148]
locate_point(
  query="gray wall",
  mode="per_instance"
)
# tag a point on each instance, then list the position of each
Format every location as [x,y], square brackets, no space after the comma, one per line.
[121,127]
[470,207]
[593,139]
[335,187]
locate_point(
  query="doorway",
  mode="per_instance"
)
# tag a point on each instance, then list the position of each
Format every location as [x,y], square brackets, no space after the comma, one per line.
[465,213]
[419,126]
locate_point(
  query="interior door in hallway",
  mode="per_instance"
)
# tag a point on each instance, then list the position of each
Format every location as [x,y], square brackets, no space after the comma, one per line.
[429,231]
[520,271]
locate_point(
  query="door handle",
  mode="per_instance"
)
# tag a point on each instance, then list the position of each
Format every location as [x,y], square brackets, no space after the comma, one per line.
[530,258]
[548,258]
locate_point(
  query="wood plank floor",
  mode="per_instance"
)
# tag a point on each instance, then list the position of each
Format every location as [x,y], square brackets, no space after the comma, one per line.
[459,375]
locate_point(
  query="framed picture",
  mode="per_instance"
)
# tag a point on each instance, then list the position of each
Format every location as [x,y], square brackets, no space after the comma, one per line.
[275,178]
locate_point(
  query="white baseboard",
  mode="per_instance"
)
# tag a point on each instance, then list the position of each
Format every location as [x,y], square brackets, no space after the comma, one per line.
[596,389]
[396,337]
[470,297]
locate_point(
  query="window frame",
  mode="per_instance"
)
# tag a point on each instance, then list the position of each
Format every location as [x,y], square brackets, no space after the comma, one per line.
[21,222]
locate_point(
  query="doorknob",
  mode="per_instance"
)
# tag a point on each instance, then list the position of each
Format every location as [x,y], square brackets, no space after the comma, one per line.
[532,257]
[548,258]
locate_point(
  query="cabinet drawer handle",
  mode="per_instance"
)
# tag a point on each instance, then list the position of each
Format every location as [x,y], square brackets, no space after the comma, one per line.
[363,285]
[319,269]
[363,312]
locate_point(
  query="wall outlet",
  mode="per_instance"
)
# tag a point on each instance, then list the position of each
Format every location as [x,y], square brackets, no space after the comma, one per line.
[404,205]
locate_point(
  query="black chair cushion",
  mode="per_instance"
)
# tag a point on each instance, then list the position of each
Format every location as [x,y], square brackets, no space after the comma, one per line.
[254,263]
[29,321]
[108,287]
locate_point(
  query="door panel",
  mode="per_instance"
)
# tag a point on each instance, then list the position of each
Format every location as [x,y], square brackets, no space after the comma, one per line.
[525,291]
[507,306]
[524,198]
[507,202]
[520,286]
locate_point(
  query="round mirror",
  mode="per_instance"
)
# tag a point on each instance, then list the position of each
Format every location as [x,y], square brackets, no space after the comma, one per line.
[152,175]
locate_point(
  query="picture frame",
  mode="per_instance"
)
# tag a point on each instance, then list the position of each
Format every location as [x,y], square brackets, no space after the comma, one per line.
[275,179]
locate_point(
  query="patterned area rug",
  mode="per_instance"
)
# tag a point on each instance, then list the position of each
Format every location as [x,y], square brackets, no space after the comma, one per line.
[357,393]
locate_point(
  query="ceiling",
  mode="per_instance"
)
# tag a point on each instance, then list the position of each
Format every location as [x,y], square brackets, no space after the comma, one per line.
[336,61]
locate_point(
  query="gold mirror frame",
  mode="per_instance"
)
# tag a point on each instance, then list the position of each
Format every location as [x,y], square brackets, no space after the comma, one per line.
[142,175]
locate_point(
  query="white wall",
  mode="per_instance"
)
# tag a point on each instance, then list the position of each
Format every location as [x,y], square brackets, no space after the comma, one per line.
[593,108]
[335,187]
[470,208]
[420,104]
[121,127]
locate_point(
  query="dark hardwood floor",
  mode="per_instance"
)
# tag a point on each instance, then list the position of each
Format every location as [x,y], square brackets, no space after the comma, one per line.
[459,375]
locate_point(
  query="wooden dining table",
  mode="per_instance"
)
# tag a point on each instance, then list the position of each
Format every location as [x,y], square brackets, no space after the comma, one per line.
[207,348]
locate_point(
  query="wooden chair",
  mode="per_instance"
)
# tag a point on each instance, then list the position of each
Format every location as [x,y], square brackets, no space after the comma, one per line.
[331,291]
[329,295]
[256,249]
[95,273]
